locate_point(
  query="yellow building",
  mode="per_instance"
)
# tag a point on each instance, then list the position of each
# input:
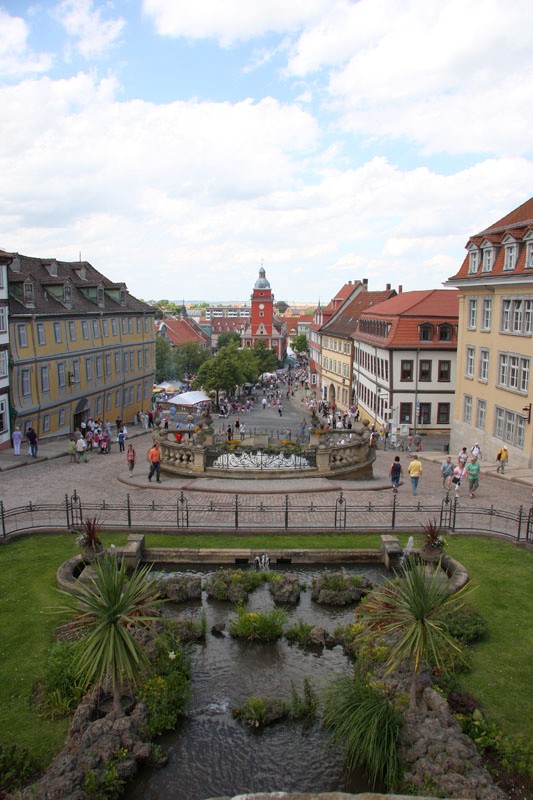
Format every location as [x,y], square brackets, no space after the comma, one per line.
[337,345]
[80,346]
[495,345]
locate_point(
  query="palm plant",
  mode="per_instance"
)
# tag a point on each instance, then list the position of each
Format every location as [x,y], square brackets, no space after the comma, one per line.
[108,610]
[410,610]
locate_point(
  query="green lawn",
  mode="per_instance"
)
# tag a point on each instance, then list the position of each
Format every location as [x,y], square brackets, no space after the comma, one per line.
[502,664]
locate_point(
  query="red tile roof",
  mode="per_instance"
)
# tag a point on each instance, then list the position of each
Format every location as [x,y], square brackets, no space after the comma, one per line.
[516,224]
[405,313]
[183,330]
[344,323]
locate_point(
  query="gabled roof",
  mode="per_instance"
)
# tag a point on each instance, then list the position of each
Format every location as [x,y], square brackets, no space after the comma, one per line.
[344,323]
[403,315]
[183,330]
[515,226]
[84,280]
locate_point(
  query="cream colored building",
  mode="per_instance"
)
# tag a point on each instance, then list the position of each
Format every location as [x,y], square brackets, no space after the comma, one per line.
[495,344]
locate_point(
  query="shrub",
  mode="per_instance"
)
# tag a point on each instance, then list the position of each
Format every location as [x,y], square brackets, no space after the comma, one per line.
[164,697]
[234,584]
[336,588]
[299,633]
[165,693]
[365,723]
[61,687]
[256,626]
[465,624]
[17,767]
[260,711]
[514,753]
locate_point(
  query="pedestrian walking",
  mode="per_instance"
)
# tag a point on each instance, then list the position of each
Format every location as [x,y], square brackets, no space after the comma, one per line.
[81,449]
[17,439]
[463,457]
[71,450]
[130,459]
[121,439]
[31,436]
[446,470]
[154,457]
[395,473]
[502,457]
[459,473]
[415,471]
[472,469]
[475,450]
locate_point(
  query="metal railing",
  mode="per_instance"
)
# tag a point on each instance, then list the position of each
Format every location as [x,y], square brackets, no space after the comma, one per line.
[244,513]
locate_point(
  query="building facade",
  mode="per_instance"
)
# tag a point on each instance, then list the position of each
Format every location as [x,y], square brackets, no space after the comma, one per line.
[80,346]
[405,361]
[5,423]
[338,345]
[495,347]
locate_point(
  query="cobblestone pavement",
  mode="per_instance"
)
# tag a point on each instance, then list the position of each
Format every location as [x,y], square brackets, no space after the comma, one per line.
[51,477]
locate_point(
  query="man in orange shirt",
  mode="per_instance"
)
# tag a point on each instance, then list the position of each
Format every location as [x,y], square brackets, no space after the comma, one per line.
[154,457]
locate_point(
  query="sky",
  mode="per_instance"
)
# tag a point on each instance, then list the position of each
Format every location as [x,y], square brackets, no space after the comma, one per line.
[177,145]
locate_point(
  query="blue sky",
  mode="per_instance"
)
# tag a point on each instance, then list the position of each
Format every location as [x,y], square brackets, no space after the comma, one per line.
[178,144]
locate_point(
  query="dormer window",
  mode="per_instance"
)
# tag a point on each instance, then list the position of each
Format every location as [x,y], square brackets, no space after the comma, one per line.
[426,332]
[15,264]
[473,262]
[122,297]
[29,297]
[445,333]
[100,295]
[510,257]
[53,268]
[67,294]
[488,259]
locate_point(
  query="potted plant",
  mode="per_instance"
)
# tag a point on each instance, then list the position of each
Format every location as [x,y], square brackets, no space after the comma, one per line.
[434,542]
[88,540]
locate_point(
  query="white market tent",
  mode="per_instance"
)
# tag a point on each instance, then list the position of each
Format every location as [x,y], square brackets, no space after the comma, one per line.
[189,399]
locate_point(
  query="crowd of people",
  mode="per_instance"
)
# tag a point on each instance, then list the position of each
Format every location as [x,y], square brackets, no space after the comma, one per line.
[465,472]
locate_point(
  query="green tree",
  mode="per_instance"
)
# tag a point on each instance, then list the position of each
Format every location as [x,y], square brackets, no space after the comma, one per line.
[164,360]
[227,338]
[409,610]
[189,357]
[229,368]
[266,358]
[108,610]
[300,344]
[281,306]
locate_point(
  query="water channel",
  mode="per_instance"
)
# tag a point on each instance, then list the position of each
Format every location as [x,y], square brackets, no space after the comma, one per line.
[212,755]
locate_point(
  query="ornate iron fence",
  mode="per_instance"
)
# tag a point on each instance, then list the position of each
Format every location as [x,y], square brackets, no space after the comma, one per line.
[244,513]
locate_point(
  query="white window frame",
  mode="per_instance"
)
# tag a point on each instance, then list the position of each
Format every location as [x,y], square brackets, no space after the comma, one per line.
[484,361]
[57,332]
[4,364]
[473,262]
[45,380]
[22,334]
[488,259]
[481,414]
[510,257]
[472,313]
[486,319]
[61,375]
[467,408]
[3,319]
[470,361]
[41,333]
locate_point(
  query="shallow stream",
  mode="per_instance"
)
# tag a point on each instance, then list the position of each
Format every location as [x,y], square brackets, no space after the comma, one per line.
[212,755]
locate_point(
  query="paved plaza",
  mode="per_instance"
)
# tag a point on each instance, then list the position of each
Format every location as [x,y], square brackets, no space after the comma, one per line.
[51,476]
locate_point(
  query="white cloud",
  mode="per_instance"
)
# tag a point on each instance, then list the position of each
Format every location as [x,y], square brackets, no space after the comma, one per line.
[233,20]
[94,35]
[16,57]
[451,77]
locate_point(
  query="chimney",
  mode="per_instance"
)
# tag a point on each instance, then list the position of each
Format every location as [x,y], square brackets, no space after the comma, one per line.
[349,283]
[387,287]
[365,282]
[400,289]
